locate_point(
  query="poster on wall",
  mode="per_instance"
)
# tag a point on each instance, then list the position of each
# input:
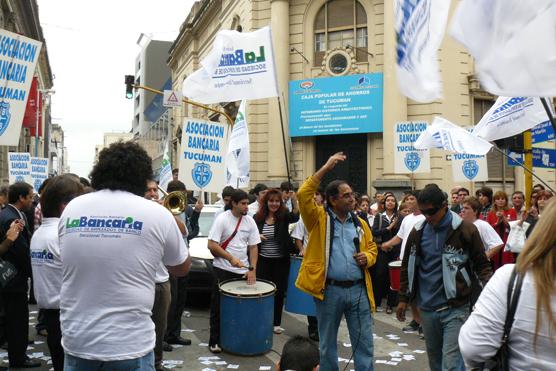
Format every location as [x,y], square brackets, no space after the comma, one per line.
[39,171]
[18,58]
[19,167]
[469,168]
[202,164]
[336,105]
[408,159]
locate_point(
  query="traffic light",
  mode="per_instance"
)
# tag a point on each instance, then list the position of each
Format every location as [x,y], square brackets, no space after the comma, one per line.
[129,81]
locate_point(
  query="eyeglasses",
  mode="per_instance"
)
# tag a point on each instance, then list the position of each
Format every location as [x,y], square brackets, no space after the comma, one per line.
[430,211]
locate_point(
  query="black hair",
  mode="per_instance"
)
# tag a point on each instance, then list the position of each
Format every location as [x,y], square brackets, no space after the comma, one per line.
[4,190]
[175,185]
[463,189]
[84,182]
[227,191]
[259,187]
[286,186]
[485,191]
[238,195]
[43,185]
[18,189]
[433,195]
[539,186]
[123,166]
[332,190]
[60,190]
[414,192]
[175,171]
[299,354]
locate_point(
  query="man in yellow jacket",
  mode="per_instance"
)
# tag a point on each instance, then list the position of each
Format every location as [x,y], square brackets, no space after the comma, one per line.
[335,268]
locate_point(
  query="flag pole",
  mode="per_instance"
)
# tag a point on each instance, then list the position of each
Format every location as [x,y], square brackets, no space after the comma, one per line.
[549,113]
[284,140]
[523,166]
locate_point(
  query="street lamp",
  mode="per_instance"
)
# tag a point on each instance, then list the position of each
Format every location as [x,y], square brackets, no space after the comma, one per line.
[47,93]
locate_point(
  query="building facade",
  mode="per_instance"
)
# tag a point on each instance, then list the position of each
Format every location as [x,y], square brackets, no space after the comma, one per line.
[22,17]
[335,38]
[58,151]
[110,138]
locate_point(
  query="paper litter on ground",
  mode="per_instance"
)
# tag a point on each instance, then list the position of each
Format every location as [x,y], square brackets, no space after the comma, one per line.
[392,363]
[220,363]
[395,354]
[396,359]
[419,351]
[383,361]
[233,366]
[262,368]
[207,362]
[402,344]
[408,357]
[187,330]
[203,344]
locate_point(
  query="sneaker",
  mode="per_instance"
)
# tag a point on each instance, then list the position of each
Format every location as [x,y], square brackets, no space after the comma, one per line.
[215,348]
[379,309]
[411,327]
[278,330]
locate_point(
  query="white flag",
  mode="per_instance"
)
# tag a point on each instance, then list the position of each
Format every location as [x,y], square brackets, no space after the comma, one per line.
[513,43]
[240,66]
[237,158]
[510,116]
[166,169]
[451,137]
[420,29]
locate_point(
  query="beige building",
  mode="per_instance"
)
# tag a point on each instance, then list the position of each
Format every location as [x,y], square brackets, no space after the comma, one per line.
[319,38]
[110,138]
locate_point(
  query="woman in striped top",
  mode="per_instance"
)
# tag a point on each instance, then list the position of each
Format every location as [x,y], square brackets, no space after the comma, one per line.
[273,220]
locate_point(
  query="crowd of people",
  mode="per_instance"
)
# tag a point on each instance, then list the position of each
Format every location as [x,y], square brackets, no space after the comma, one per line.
[109,266]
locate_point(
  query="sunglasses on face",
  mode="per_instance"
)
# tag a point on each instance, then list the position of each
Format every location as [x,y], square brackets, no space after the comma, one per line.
[430,211]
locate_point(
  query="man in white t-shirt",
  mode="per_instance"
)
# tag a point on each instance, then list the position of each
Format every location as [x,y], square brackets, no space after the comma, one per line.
[232,235]
[470,210]
[408,222]
[259,191]
[112,242]
[46,262]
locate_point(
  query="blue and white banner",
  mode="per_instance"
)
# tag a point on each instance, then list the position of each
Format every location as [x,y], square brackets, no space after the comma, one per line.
[19,167]
[202,165]
[240,66]
[237,158]
[510,116]
[543,132]
[469,168]
[446,135]
[420,26]
[39,171]
[18,58]
[166,169]
[542,157]
[513,43]
[407,158]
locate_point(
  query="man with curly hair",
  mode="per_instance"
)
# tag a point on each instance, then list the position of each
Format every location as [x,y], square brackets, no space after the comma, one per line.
[111,243]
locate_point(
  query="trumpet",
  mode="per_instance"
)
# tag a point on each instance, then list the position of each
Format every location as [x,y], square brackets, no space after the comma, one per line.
[175,202]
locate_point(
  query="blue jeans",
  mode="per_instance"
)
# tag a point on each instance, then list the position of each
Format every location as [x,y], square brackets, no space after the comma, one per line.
[145,363]
[354,305]
[441,331]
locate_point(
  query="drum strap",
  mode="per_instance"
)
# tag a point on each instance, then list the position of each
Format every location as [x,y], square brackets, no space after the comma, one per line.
[224,244]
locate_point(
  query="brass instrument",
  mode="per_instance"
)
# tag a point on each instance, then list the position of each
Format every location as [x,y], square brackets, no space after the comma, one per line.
[175,202]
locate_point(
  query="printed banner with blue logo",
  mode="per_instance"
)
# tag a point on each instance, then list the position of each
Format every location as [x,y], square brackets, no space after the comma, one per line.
[19,167]
[469,168]
[336,105]
[39,171]
[202,165]
[18,58]
[407,158]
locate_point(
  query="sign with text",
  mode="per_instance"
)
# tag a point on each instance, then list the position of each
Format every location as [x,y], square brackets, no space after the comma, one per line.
[19,167]
[336,105]
[39,171]
[469,168]
[408,159]
[543,132]
[202,164]
[544,157]
[18,58]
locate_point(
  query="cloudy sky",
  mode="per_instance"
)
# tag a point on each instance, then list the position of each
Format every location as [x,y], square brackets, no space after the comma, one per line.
[91,46]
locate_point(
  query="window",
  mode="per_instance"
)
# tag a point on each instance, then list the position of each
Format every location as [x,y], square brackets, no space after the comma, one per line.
[498,170]
[341,24]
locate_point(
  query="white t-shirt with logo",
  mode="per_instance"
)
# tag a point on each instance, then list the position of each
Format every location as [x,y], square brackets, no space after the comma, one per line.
[408,222]
[247,235]
[300,232]
[46,264]
[488,235]
[111,244]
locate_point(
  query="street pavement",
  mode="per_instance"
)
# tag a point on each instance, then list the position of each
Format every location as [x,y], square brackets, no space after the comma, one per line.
[405,351]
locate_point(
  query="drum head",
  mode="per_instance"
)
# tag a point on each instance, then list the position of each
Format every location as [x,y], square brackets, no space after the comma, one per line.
[395,264]
[239,287]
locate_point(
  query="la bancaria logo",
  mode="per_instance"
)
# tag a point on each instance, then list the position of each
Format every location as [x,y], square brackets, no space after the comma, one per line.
[126,225]
[41,256]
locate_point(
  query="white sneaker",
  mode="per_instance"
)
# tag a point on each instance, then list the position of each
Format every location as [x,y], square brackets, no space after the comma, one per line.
[278,330]
[215,348]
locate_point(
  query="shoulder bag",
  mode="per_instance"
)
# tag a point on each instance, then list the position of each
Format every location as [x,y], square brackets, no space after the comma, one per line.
[7,272]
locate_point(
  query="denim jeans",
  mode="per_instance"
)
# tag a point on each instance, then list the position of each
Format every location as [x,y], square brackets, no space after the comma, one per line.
[145,363]
[441,331]
[354,305]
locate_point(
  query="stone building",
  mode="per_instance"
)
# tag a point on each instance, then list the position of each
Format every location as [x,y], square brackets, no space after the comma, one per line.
[22,17]
[334,38]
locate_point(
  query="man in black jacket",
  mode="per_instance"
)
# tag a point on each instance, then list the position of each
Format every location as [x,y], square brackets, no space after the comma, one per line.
[14,295]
